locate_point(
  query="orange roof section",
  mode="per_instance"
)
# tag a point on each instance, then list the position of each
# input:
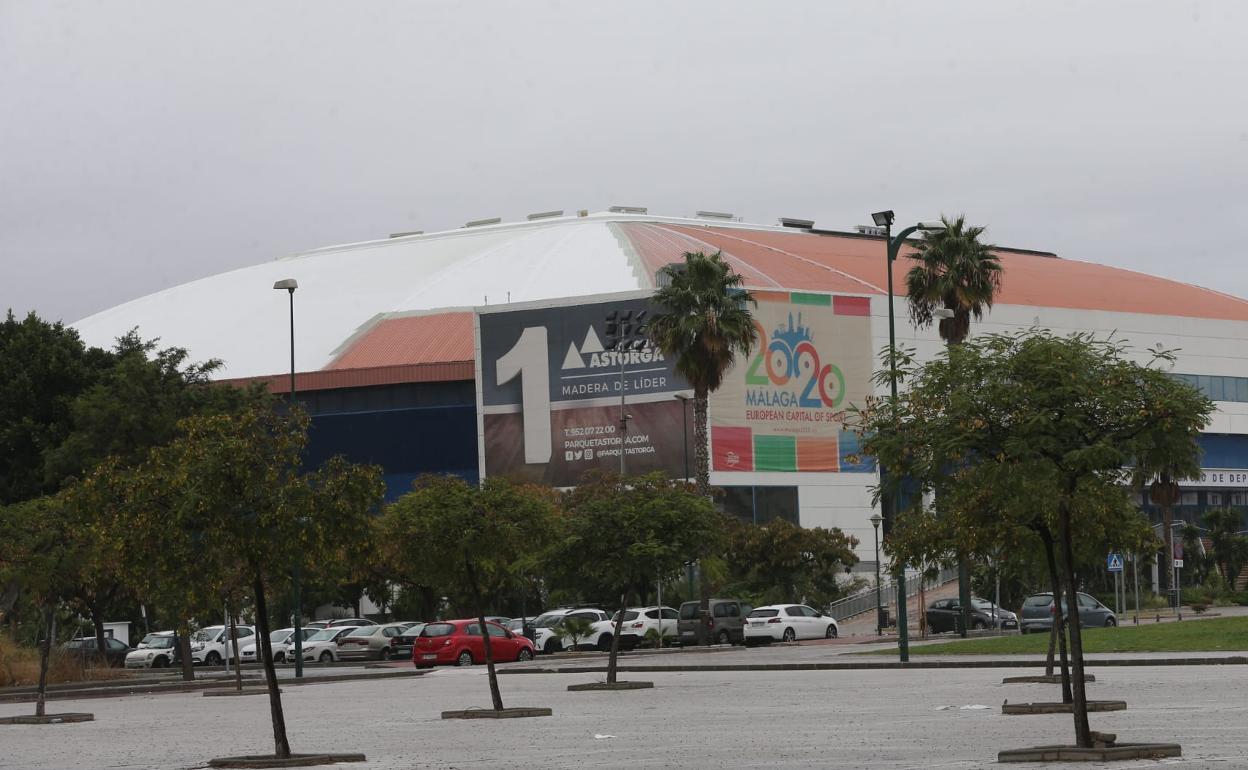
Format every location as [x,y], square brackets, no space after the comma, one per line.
[406,340]
[850,263]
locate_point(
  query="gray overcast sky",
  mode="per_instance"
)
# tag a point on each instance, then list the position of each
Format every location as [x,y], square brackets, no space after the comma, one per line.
[144,144]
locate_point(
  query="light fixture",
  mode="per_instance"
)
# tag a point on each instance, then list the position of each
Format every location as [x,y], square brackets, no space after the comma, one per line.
[928,227]
[876,520]
[289,284]
[882,218]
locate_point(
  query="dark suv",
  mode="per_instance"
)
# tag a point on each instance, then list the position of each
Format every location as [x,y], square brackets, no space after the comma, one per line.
[724,626]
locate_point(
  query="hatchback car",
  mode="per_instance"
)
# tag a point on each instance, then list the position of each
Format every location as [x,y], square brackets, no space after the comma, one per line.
[459,642]
[402,644]
[640,621]
[85,649]
[1038,613]
[788,623]
[724,626]
[322,647]
[943,614]
[281,641]
[160,651]
[370,642]
[549,635]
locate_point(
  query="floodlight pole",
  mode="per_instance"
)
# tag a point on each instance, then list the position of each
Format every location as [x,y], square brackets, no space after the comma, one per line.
[290,285]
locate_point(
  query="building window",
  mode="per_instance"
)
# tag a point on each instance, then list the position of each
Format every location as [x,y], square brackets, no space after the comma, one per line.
[761,504]
[1216,387]
[1215,498]
[1239,498]
[1187,498]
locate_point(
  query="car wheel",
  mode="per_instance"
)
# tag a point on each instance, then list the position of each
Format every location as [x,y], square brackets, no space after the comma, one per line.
[978,625]
[524,656]
[789,635]
[280,657]
[723,638]
[831,632]
[604,643]
[212,659]
[326,657]
[385,654]
[464,659]
[1110,622]
[552,646]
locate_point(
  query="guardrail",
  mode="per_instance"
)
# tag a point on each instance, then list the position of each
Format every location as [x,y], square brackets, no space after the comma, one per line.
[865,600]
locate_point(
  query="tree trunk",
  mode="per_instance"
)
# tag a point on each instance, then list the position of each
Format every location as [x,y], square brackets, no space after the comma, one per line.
[1083,734]
[1057,632]
[184,651]
[964,594]
[495,695]
[238,659]
[45,652]
[281,746]
[1167,565]
[701,454]
[615,640]
[97,622]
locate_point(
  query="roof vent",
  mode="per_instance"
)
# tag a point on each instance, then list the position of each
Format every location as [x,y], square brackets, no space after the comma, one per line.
[545,215]
[804,224]
[714,215]
[869,230]
[483,222]
[405,234]
[628,209]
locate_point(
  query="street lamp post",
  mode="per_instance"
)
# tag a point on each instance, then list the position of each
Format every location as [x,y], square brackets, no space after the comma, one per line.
[289,285]
[876,518]
[885,219]
[684,421]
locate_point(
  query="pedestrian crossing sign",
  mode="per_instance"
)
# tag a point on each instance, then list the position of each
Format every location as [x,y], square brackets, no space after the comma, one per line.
[1114,562]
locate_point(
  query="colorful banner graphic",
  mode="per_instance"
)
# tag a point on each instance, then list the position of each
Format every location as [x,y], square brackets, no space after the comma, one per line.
[783,408]
[549,385]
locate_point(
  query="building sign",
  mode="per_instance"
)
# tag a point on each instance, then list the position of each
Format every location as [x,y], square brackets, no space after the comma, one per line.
[548,386]
[783,408]
[1218,477]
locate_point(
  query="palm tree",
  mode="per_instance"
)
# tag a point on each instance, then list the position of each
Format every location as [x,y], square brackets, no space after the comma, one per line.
[705,322]
[959,274]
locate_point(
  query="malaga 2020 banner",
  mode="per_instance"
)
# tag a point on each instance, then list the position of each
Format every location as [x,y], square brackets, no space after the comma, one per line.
[549,387]
[783,408]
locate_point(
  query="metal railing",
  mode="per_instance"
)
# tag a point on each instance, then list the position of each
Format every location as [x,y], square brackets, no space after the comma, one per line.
[864,600]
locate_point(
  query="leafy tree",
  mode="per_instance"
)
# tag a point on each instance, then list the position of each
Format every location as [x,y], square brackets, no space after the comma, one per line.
[1230,546]
[621,534]
[705,322]
[224,508]
[783,562]
[574,629]
[1070,413]
[448,530]
[957,273]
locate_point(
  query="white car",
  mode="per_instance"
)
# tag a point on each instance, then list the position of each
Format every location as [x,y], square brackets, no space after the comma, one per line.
[209,647]
[322,647]
[787,623]
[639,621]
[282,641]
[158,651]
[547,636]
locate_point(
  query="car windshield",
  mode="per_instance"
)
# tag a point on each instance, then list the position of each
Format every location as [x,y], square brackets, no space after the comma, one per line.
[366,631]
[764,613]
[413,630]
[207,634]
[324,635]
[980,604]
[438,629]
[689,611]
[1040,600]
[548,620]
[280,636]
[161,643]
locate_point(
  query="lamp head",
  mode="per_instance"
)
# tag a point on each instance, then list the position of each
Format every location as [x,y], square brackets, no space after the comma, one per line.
[929,227]
[882,218]
[876,519]
[289,284]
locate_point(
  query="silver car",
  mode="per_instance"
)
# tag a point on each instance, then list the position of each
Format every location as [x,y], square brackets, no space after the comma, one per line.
[370,642]
[1038,613]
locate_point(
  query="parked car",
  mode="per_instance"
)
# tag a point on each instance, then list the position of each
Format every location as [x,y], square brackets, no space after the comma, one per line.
[401,645]
[315,624]
[499,619]
[357,622]
[1038,613]
[942,615]
[282,641]
[84,648]
[549,637]
[788,623]
[322,647]
[209,645]
[459,642]
[724,626]
[147,639]
[638,621]
[160,651]
[370,642]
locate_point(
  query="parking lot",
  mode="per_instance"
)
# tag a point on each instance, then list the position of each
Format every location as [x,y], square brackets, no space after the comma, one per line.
[850,719]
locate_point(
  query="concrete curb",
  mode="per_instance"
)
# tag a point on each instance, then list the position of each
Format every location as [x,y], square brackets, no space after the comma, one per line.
[511,713]
[295,760]
[1061,708]
[867,666]
[48,719]
[1076,754]
[600,686]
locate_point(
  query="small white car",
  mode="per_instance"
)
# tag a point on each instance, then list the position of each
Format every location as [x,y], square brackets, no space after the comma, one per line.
[322,647]
[788,623]
[548,637]
[159,651]
[209,645]
[639,621]
[282,641]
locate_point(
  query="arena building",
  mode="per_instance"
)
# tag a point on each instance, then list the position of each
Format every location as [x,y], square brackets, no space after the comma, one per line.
[487,349]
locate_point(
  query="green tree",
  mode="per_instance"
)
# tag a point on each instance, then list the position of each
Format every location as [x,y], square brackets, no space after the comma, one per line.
[705,322]
[225,508]
[1230,546]
[480,537]
[959,274]
[783,562]
[1069,412]
[620,535]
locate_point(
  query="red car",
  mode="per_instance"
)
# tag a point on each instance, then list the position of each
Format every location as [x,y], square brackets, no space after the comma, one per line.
[459,642]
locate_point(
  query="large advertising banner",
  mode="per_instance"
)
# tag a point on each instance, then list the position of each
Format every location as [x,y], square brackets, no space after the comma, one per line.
[783,408]
[549,382]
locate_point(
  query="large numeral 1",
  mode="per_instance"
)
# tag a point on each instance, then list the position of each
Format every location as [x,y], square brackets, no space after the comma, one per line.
[528,358]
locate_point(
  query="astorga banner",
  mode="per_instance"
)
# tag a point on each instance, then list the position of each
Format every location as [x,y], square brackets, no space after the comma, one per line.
[549,379]
[783,408]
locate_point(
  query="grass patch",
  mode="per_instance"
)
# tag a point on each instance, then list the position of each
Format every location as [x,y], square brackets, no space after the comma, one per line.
[19,667]
[1212,635]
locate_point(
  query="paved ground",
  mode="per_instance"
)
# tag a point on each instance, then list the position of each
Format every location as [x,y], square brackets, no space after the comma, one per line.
[846,719]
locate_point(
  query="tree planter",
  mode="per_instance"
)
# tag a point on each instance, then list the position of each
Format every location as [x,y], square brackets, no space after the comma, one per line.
[1061,708]
[235,691]
[1077,754]
[511,713]
[295,760]
[1042,679]
[610,686]
[47,719]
